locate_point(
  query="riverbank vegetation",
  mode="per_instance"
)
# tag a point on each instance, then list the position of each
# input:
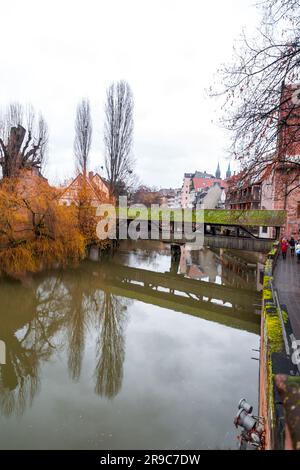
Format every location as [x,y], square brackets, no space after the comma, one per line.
[38,229]
[35,231]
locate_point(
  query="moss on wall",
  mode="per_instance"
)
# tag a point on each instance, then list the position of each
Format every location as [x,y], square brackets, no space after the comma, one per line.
[272,253]
[267,280]
[273,337]
[267,293]
[274,332]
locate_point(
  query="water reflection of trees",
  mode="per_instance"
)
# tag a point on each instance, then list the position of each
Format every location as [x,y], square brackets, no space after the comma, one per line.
[28,342]
[110,346]
[58,311]
[19,380]
[76,324]
[50,316]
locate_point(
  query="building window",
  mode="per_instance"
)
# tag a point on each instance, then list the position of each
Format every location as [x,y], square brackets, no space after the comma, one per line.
[265,230]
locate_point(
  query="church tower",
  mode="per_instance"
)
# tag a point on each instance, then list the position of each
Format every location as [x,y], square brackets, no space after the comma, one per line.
[218,172]
[228,172]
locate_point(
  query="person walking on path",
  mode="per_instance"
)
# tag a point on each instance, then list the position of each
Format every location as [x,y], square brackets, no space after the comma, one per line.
[284,246]
[292,244]
[297,249]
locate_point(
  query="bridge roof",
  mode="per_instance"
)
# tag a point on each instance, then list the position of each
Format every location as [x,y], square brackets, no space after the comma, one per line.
[260,218]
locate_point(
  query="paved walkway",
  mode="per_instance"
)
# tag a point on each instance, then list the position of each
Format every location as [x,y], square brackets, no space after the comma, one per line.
[287,282]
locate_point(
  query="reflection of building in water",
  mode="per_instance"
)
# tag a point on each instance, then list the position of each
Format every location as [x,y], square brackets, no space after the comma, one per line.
[199,264]
[227,267]
[58,311]
[247,273]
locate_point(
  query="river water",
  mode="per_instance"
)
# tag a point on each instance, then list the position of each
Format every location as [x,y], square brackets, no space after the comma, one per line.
[137,351]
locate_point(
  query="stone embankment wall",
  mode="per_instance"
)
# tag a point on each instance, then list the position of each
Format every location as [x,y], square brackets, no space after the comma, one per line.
[276,367]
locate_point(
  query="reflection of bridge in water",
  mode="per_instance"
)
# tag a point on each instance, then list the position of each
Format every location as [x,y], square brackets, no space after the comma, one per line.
[55,311]
[214,302]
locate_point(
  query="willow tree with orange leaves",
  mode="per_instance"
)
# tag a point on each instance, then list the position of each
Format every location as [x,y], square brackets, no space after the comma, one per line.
[35,231]
[86,214]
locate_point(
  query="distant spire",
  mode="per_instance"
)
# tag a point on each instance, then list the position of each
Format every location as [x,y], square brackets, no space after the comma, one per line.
[218,172]
[228,172]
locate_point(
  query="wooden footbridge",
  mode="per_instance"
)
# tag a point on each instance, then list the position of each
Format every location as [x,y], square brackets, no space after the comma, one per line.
[233,229]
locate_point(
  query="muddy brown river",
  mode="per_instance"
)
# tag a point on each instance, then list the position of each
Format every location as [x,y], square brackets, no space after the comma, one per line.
[133,352]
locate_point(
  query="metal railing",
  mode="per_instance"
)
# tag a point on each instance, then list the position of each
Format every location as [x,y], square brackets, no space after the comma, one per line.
[285,339]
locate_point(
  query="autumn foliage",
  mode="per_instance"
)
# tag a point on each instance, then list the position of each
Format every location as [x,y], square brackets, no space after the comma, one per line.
[86,215]
[35,231]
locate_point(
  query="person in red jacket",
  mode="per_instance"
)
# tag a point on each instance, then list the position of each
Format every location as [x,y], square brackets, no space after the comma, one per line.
[284,246]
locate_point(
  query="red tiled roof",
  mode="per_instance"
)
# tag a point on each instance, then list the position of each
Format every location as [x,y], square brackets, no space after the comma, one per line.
[202,183]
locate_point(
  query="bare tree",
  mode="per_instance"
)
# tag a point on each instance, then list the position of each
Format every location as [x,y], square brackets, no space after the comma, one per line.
[258,109]
[110,347]
[23,140]
[83,135]
[118,137]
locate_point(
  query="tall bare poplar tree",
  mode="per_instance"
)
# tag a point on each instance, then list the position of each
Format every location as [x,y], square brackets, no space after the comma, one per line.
[83,135]
[118,137]
[23,140]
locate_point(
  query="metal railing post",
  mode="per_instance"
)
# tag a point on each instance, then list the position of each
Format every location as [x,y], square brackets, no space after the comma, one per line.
[275,296]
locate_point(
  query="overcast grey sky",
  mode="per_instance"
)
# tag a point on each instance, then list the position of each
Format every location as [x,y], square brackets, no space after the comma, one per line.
[55,52]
